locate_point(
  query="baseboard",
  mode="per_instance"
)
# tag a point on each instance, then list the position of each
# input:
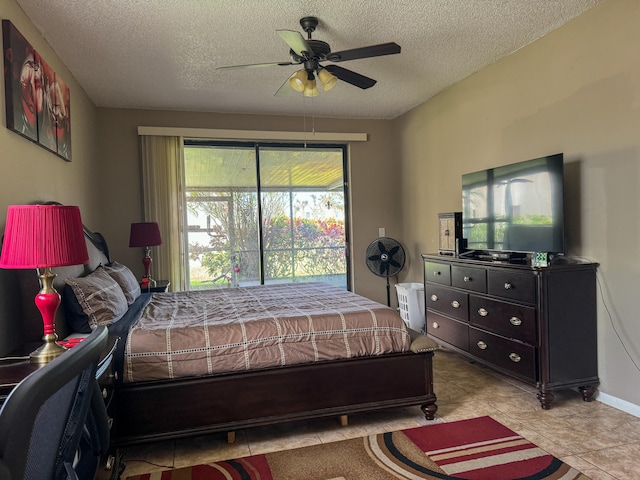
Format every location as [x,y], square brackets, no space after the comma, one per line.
[618,403]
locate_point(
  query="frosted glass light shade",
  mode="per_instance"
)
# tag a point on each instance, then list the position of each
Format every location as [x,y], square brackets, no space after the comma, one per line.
[327,79]
[298,81]
[311,89]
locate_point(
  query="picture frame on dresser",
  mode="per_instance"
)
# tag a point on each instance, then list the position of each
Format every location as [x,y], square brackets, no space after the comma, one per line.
[450,241]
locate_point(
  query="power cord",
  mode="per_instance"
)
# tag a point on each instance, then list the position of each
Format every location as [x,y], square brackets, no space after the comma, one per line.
[15,359]
[613,325]
[149,463]
[609,314]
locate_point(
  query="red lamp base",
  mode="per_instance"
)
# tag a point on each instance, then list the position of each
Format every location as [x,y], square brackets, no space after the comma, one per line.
[47,301]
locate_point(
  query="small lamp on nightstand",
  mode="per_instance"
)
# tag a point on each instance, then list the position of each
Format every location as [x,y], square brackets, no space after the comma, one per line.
[41,237]
[147,235]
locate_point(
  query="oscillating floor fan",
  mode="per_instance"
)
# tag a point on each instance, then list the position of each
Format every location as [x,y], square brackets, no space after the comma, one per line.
[385,258]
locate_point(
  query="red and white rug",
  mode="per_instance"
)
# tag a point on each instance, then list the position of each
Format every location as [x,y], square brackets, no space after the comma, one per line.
[476,449]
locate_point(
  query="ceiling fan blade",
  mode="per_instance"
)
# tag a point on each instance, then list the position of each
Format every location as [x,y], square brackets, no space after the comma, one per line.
[351,77]
[364,52]
[256,65]
[296,42]
[284,90]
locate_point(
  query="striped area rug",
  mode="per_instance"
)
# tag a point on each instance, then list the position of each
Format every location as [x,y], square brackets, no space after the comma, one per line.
[475,449]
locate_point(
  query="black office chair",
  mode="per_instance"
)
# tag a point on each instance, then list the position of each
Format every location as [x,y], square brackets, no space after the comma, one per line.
[48,423]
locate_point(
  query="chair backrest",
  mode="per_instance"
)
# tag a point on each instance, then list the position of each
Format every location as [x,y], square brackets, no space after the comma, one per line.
[42,419]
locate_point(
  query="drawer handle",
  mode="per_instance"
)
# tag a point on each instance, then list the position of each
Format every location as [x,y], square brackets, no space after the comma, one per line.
[482,345]
[437,273]
[434,298]
[514,357]
[515,321]
[105,393]
[467,279]
[508,286]
[455,304]
[482,312]
[435,325]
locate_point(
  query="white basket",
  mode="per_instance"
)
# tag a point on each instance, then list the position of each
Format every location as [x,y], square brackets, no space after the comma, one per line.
[411,305]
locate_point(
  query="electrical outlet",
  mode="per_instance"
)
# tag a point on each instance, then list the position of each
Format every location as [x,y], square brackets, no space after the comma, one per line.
[381,232]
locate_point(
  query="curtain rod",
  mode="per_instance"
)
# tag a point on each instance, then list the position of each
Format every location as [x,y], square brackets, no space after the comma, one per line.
[219,134]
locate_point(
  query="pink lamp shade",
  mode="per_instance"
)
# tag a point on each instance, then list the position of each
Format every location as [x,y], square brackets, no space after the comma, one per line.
[145,234]
[44,236]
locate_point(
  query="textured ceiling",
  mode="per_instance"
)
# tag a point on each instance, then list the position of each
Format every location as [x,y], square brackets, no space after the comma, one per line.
[163,54]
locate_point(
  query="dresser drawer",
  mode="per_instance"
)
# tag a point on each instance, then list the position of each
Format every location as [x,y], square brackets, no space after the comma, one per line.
[508,319]
[515,286]
[469,278]
[510,355]
[450,302]
[449,330]
[437,273]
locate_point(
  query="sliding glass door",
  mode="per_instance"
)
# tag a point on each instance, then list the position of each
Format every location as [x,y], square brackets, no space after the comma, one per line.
[265,214]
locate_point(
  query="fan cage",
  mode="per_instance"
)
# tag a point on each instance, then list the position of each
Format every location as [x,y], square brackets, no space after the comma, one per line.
[385,257]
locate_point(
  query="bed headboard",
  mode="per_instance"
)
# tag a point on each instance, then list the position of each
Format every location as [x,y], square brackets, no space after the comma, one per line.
[29,286]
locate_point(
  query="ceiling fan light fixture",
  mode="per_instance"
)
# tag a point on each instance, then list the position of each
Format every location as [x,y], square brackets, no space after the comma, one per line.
[298,81]
[327,79]
[311,89]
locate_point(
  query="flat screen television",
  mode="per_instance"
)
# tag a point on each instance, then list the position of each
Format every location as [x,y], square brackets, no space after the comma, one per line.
[516,208]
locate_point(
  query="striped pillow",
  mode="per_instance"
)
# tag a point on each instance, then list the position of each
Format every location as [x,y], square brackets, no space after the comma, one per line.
[125,278]
[100,297]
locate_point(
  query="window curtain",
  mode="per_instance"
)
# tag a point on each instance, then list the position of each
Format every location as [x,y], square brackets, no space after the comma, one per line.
[163,198]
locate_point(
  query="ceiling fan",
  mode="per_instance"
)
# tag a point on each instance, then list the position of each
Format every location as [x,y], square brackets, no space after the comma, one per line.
[309,53]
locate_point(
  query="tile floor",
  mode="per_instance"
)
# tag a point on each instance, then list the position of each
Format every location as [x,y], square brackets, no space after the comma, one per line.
[600,441]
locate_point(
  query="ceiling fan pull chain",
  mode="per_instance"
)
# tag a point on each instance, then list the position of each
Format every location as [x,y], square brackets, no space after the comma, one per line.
[313,118]
[304,115]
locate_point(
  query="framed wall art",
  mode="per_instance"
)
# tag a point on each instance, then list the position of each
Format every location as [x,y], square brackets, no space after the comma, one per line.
[38,102]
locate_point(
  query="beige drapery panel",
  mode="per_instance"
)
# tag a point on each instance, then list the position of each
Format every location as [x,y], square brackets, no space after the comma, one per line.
[163,197]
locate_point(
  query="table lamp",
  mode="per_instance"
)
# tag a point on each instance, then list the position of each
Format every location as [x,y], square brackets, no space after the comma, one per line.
[42,237]
[147,235]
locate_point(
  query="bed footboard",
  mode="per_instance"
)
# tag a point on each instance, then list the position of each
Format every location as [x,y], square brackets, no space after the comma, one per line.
[160,410]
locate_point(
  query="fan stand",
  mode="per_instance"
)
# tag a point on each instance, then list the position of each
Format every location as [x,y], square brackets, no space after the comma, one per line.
[388,293]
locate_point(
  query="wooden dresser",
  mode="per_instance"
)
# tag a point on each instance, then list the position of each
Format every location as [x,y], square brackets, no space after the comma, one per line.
[537,324]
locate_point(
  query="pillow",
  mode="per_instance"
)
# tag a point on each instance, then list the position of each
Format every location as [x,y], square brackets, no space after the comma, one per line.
[76,319]
[99,296]
[127,280]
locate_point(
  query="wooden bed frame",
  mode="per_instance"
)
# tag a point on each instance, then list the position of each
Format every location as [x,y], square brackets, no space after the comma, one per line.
[157,410]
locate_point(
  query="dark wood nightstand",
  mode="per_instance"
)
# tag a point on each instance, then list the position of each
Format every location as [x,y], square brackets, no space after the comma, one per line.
[160,286]
[16,366]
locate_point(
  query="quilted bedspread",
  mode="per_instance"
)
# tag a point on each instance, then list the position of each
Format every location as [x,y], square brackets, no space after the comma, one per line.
[185,334]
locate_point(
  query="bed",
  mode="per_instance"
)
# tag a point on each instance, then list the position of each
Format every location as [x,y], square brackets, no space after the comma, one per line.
[256,373]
